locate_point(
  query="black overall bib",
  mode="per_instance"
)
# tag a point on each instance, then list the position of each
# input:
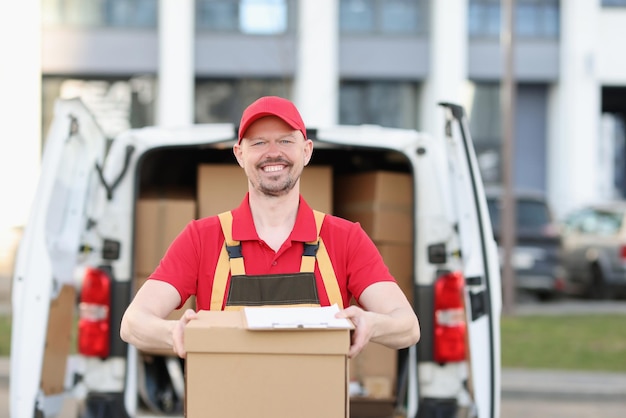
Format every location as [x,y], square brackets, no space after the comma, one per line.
[295,289]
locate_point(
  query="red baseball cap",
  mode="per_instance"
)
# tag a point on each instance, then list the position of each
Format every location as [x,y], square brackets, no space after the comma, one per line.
[271,106]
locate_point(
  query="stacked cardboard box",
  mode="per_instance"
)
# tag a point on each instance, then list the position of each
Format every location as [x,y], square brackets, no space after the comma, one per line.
[222,187]
[160,217]
[382,202]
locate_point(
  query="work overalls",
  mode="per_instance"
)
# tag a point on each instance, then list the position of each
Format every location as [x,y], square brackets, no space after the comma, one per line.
[296,289]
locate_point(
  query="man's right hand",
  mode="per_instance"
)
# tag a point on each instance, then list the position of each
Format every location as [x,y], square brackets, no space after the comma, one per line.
[178,332]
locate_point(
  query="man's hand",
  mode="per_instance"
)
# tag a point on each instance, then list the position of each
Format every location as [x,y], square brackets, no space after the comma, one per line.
[178,332]
[363,327]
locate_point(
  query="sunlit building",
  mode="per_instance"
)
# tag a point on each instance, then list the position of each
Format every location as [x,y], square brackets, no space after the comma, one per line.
[386,62]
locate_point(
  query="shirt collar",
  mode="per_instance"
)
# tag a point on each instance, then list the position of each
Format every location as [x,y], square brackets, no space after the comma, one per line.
[243,225]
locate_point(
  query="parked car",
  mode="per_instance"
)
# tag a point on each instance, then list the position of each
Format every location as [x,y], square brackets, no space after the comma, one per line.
[594,239]
[537,255]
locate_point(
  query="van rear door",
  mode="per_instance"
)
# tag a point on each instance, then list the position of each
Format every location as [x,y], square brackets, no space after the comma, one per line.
[480,266]
[44,290]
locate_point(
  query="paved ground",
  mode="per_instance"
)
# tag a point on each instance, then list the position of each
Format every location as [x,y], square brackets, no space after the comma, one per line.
[525,394]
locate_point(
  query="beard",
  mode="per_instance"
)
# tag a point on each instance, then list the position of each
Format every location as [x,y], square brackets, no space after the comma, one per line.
[278,184]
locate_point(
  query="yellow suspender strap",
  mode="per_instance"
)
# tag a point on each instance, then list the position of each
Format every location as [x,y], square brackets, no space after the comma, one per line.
[325,265]
[225,264]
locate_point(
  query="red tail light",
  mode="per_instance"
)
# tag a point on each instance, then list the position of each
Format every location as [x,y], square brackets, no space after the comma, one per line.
[450,326]
[623,253]
[94,308]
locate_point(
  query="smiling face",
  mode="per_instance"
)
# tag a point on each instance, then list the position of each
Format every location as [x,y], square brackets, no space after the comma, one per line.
[273,156]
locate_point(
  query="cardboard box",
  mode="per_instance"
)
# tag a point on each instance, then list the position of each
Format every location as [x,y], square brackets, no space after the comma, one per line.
[159,219]
[399,259]
[363,407]
[232,371]
[376,369]
[221,187]
[382,202]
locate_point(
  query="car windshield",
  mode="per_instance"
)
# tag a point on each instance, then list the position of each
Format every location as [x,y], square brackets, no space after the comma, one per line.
[596,221]
[529,213]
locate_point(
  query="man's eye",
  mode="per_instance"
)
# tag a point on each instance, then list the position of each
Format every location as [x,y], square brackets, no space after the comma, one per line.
[257,143]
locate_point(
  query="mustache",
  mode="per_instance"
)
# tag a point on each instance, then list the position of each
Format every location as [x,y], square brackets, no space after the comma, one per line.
[270,161]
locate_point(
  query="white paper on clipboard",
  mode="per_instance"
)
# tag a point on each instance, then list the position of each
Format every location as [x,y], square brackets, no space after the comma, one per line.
[295,318]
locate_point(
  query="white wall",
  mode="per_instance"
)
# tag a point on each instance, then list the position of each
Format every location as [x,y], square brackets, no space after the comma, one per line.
[610,50]
[316,80]
[574,115]
[20,108]
[447,76]
[175,100]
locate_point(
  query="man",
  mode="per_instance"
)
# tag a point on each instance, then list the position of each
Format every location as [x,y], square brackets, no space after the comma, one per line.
[266,238]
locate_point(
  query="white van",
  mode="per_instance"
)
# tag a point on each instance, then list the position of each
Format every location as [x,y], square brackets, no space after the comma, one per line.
[76,268]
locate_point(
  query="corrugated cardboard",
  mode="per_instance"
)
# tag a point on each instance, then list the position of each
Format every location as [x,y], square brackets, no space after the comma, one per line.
[399,259]
[382,202]
[221,187]
[235,372]
[159,219]
[376,369]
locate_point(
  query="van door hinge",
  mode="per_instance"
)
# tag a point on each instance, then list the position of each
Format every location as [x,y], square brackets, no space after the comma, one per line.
[111,187]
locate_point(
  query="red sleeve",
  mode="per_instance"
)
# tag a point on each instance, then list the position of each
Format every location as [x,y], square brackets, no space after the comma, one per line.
[191,258]
[356,260]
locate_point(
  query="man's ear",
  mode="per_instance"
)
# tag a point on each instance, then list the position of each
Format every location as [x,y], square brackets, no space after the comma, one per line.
[308,152]
[237,151]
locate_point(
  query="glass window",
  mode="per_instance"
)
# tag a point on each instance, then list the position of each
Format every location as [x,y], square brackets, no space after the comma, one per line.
[133,13]
[485,125]
[356,16]
[532,214]
[117,103]
[223,100]
[255,17]
[613,3]
[386,103]
[263,17]
[383,16]
[533,18]
[220,15]
[484,18]
[95,13]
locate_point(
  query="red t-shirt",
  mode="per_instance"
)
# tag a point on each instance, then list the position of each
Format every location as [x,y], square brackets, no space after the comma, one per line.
[190,262]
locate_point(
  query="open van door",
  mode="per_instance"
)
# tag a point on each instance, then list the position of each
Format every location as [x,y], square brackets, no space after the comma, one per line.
[44,290]
[480,267]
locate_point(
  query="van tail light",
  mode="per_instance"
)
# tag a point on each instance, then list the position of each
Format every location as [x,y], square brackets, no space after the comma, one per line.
[622,253]
[450,342]
[93,317]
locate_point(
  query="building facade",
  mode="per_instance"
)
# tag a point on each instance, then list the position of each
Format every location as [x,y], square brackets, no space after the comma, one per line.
[386,62]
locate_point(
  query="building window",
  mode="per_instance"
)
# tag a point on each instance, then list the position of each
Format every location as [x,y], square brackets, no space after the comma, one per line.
[385,103]
[117,104]
[484,18]
[390,17]
[254,17]
[485,125]
[613,3]
[533,18]
[99,13]
[223,100]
